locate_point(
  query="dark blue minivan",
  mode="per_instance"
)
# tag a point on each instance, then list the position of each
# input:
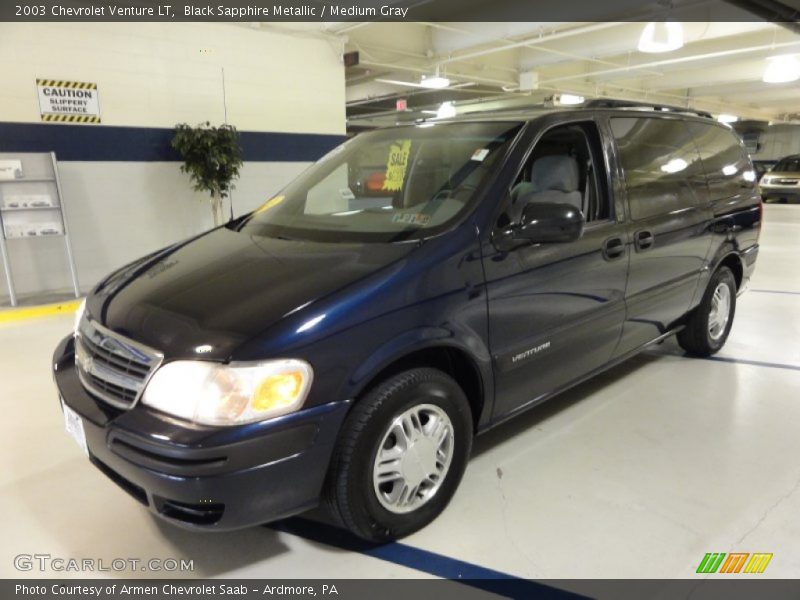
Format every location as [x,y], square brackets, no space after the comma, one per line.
[418,285]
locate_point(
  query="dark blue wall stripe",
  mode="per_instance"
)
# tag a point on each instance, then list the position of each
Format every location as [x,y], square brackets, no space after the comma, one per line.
[146,144]
[425,561]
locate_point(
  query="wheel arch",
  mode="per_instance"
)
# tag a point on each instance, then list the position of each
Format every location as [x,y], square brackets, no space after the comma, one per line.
[449,358]
[733,261]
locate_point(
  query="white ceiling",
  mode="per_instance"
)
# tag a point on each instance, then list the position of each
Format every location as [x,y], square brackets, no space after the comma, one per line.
[719,69]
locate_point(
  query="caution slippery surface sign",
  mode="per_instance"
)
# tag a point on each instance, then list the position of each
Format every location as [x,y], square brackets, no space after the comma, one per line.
[68,101]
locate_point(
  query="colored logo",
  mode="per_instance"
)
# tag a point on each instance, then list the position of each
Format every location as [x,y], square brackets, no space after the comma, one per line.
[735,562]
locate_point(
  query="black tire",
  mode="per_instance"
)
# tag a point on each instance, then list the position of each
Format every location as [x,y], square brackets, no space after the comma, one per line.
[696,338]
[350,493]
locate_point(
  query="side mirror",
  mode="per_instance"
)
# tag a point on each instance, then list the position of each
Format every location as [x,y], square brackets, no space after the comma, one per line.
[542,223]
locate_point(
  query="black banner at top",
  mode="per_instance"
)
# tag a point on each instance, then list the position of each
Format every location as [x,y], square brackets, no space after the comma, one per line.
[541,11]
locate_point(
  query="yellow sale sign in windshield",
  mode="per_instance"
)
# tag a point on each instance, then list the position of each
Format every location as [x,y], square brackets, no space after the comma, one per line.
[397,165]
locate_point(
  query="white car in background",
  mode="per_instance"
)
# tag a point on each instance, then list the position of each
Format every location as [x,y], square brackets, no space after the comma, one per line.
[782,183]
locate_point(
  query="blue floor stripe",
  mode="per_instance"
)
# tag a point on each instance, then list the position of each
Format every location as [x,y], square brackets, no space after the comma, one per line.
[774,292]
[755,363]
[743,361]
[425,561]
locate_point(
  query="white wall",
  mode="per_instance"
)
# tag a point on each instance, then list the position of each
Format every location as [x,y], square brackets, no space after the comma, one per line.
[778,141]
[156,75]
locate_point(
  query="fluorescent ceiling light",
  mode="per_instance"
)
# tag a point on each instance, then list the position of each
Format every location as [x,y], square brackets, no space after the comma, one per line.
[414,84]
[661,36]
[446,111]
[569,99]
[434,82]
[723,118]
[782,69]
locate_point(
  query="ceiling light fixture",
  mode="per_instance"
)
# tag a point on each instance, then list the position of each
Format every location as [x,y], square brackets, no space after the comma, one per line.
[782,69]
[570,99]
[724,118]
[446,111]
[435,81]
[661,36]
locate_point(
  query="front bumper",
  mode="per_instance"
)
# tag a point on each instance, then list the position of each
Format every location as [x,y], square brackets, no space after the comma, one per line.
[202,477]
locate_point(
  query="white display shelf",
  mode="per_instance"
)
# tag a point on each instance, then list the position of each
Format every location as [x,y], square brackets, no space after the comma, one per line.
[24,208]
[17,221]
[29,180]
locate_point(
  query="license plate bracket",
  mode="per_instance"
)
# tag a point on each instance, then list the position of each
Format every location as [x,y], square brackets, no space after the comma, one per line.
[74,426]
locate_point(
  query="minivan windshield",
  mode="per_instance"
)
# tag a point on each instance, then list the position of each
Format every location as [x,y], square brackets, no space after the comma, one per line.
[387,185]
[788,165]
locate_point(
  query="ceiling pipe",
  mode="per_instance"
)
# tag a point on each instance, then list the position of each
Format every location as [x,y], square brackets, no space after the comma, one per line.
[674,61]
[407,94]
[474,78]
[535,40]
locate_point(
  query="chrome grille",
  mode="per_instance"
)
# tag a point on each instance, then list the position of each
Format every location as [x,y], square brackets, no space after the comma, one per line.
[112,367]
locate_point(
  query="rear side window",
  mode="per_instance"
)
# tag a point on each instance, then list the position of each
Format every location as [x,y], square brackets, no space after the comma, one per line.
[661,165]
[728,169]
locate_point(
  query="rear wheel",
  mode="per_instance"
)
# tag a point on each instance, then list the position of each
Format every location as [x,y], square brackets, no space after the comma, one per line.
[401,455]
[708,327]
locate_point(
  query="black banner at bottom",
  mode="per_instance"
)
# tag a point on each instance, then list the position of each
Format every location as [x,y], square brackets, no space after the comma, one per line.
[389,589]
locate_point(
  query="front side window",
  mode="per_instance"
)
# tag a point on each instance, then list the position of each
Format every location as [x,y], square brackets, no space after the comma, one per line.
[566,166]
[388,185]
[661,166]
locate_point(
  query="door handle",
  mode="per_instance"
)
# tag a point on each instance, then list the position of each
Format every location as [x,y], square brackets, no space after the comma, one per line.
[644,239]
[613,248]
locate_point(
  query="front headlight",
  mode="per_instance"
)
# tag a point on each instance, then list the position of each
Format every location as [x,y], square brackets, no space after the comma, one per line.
[217,394]
[79,315]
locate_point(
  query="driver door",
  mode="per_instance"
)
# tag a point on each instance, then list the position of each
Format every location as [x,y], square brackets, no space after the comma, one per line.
[556,309]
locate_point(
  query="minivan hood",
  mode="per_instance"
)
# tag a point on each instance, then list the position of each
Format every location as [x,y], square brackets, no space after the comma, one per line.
[204,298]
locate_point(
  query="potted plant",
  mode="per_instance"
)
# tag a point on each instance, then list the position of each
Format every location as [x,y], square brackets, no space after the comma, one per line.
[212,158]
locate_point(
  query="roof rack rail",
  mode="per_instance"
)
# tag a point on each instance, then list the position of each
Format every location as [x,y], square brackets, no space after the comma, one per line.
[612,103]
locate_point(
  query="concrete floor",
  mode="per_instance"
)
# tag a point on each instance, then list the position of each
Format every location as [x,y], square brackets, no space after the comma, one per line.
[636,474]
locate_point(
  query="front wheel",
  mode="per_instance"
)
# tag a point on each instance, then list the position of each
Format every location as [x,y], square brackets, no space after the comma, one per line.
[401,455]
[707,329]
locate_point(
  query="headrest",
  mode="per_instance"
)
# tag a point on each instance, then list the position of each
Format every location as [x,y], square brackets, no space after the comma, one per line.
[556,172]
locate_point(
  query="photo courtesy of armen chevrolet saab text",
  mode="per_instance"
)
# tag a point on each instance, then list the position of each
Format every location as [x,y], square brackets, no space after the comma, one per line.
[343,344]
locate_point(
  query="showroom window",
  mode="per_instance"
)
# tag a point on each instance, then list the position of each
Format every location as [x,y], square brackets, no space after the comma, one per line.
[662,168]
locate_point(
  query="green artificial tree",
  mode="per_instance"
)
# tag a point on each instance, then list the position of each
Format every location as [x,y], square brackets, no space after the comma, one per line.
[212,158]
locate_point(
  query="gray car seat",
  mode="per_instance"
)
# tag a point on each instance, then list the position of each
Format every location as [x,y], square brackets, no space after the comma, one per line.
[554,179]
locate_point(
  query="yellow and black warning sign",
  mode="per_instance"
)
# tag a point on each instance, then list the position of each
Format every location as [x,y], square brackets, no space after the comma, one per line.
[68,101]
